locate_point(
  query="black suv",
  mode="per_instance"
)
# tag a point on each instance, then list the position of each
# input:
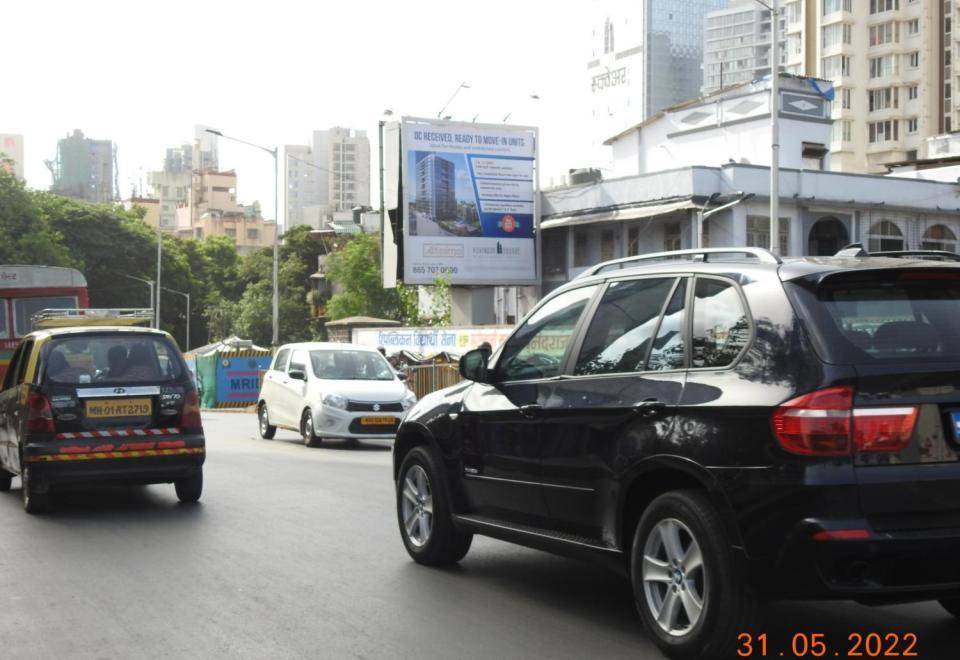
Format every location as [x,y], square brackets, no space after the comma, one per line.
[721,425]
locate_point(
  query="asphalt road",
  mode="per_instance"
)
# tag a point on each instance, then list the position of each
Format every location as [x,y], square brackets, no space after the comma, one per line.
[294,553]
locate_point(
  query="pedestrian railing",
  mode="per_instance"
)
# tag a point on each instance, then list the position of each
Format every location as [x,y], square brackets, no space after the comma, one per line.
[426,378]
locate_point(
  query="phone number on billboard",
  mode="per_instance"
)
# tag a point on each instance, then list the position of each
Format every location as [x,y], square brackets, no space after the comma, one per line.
[436,270]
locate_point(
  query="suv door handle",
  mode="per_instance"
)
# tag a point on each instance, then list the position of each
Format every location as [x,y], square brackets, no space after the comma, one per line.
[531,410]
[649,407]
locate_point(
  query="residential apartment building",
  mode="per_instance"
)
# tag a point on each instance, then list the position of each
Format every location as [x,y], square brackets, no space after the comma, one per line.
[171,185]
[85,169]
[11,154]
[737,45]
[213,210]
[330,174]
[644,56]
[436,188]
[891,64]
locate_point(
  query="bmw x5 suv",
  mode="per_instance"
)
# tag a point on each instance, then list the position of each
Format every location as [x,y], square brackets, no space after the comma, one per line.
[721,426]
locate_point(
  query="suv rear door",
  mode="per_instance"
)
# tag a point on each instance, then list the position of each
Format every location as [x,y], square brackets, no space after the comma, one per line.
[627,374]
[900,329]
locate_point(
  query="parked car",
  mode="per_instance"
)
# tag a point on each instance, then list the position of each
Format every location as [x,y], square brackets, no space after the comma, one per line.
[88,405]
[722,426]
[329,390]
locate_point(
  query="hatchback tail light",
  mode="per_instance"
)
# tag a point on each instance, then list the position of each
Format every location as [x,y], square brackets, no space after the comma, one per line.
[825,423]
[39,414]
[190,417]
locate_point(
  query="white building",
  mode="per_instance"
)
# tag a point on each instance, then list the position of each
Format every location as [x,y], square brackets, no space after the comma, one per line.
[331,174]
[672,165]
[171,185]
[645,55]
[11,154]
[737,45]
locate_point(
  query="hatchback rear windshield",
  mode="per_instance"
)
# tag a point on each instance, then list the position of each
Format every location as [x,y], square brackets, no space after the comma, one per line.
[111,358]
[902,315]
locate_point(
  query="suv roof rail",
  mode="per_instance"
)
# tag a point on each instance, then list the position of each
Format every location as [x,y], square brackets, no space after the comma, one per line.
[700,254]
[64,318]
[857,250]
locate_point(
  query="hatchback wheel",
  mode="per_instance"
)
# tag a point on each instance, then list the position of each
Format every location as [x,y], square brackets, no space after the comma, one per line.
[686,584]
[33,502]
[424,515]
[190,489]
[310,438]
[263,418]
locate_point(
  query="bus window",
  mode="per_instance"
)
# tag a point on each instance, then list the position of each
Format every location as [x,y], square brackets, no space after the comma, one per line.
[4,327]
[24,308]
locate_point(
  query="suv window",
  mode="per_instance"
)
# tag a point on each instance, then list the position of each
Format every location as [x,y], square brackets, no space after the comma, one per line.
[669,348]
[280,362]
[537,348]
[298,361]
[720,325]
[623,327]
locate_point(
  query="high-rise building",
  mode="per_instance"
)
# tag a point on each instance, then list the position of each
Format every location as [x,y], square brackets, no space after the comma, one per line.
[891,65]
[331,174]
[171,185]
[11,154]
[436,188]
[85,169]
[737,45]
[646,55]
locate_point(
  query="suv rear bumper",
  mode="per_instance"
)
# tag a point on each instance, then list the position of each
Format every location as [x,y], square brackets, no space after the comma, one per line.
[886,567]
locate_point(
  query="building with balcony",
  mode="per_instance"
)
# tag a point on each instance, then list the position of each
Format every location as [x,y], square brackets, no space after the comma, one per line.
[213,210]
[171,185]
[737,45]
[85,169]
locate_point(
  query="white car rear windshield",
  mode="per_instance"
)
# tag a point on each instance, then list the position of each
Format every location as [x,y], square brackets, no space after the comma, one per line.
[350,365]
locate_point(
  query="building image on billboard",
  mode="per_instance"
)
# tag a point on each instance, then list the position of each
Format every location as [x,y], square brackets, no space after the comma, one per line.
[438,208]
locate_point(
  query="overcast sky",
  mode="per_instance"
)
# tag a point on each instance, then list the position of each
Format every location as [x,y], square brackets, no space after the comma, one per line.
[142,74]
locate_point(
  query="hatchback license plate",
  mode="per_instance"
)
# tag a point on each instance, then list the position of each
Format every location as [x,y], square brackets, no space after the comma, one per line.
[379,420]
[103,408]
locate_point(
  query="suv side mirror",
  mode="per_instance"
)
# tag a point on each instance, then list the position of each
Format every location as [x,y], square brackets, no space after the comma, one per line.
[297,374]
[473,365]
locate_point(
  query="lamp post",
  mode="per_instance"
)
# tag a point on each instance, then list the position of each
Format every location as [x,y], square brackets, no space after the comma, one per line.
[276,233]
[703,213]
[774,124]
[149,283]
[462,85]
[159,261]
[187,296]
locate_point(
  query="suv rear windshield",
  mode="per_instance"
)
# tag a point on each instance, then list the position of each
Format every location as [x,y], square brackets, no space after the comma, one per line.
[111,358]
[904,314]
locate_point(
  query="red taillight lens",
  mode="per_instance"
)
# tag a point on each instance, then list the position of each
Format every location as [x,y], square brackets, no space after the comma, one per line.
[816,424]
[190,417]
[825,423]
[39,414]
[842,535]
[883,429]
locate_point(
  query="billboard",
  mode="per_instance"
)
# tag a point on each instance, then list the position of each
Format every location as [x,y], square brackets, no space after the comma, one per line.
[469,206]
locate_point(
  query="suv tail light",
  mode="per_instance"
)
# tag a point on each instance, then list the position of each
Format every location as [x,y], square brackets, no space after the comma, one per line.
[39,414]
[825,423]
[190,417]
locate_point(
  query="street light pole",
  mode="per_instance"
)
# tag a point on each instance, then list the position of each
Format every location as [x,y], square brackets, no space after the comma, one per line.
[276,231]
[774,127]
[462,85]
[149,283]
[187,296]
[159,261]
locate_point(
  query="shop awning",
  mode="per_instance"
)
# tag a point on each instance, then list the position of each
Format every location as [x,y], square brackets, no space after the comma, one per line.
[621,214]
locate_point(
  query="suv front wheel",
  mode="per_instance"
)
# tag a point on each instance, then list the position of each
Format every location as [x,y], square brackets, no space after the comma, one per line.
[423,511]
[685,581]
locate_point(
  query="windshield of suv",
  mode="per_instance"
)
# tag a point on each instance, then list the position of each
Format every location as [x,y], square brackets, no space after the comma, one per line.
[350,365]
[904,314]
[111,358]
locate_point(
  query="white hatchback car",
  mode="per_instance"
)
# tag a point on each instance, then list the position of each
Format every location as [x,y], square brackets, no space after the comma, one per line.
[327,390]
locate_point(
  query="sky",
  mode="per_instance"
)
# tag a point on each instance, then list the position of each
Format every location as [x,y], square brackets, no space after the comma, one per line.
[143,74]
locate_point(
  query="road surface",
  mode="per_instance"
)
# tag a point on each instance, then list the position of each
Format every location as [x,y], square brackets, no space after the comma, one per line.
[294,553]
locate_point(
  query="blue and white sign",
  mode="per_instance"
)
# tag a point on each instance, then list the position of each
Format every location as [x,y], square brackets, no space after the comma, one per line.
[469,209]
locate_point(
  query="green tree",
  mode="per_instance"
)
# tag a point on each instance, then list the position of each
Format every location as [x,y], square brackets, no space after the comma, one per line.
[354,270]
[27,237]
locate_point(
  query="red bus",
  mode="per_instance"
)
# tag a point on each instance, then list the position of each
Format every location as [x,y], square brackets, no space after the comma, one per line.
[25,290]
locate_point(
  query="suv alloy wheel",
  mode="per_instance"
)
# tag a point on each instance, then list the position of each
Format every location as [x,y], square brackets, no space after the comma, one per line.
[686,584]
[423,512]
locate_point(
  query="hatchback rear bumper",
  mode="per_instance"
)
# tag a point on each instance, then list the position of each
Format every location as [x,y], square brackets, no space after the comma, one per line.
[155,461]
